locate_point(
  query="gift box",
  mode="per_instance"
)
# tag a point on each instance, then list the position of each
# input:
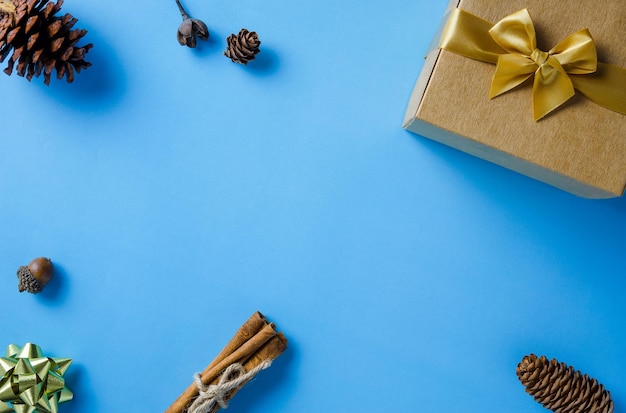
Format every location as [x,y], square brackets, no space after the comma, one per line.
[527,117]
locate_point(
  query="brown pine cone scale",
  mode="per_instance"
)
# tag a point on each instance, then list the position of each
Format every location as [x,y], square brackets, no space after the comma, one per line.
[562,389]
[41,42]
[243,47]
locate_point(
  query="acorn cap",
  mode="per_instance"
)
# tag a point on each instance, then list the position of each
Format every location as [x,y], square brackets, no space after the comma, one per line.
[34,277]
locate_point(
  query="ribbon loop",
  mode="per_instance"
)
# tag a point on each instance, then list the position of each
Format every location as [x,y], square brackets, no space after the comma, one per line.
[577,53]
[515,33]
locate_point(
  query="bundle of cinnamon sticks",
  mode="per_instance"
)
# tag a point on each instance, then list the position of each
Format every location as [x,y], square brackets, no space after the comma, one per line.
[256,342]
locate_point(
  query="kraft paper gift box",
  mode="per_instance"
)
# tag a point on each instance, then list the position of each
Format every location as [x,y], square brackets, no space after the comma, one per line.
[579,147]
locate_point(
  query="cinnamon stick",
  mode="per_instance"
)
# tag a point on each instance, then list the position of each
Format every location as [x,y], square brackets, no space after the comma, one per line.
[270,350]
[252,326]
[242,353]
[254,342]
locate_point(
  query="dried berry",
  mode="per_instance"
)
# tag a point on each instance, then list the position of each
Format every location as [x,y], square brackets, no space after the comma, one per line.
[190,28]
[34,277]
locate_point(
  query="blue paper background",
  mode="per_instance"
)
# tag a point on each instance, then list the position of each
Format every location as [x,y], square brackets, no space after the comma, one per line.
[177,193]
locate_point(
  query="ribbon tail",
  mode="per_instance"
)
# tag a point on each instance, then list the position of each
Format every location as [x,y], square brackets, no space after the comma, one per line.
[511,71]
[606,87]
[468,35]
[552,87]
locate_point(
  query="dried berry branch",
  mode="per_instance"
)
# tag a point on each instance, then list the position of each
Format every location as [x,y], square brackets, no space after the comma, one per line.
[190,28]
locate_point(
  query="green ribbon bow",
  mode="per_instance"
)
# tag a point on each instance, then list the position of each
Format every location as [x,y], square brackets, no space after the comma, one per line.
[31,382]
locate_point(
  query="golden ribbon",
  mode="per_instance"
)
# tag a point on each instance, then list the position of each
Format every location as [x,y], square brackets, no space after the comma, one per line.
[511,45]
[31,382]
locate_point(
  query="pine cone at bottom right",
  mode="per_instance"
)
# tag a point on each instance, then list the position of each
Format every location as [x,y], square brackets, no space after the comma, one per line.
[562,389]
[242,47]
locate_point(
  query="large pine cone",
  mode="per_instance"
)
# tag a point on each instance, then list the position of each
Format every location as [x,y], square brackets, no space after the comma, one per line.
[243,47]
[562,389]
[41,41]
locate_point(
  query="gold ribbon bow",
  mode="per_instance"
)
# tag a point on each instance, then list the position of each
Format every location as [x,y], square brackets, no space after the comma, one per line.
[511,44]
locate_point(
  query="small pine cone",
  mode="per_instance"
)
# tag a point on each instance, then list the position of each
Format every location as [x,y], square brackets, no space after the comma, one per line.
[562,389]
[243,47]
[41,41]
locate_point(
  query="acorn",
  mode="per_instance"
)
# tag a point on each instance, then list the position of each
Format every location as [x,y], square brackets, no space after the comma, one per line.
[34,277]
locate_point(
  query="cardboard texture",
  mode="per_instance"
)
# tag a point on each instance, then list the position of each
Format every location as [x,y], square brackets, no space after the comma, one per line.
[580,147]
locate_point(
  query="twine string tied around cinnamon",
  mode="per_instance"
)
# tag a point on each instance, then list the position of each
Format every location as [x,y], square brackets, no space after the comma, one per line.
[214,395]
